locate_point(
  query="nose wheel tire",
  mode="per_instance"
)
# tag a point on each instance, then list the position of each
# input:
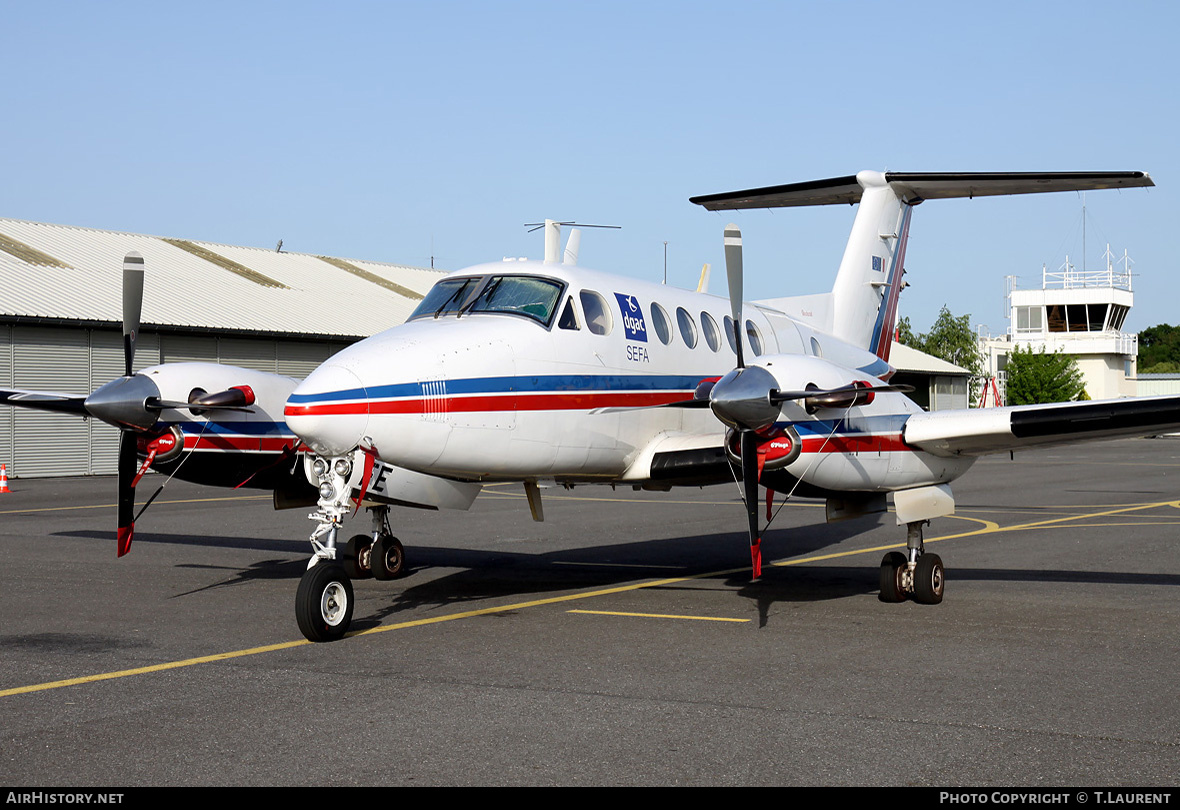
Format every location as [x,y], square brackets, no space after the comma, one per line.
[388,558]
[929,579]
[324,602]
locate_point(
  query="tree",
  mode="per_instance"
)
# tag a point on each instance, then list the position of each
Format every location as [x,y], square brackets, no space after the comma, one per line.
[950,338]
[1035,377]
[1159,349]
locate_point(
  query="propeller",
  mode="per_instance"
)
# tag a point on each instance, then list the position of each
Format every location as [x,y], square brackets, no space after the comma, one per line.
[123,402]
[739,399]
[747,399]
[131,403]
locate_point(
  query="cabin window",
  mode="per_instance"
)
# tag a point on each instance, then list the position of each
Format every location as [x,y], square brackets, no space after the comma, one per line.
[529,296]
[663,325]
[449,295]
[754,338]
[688,329]
[712,333]
[816,349]
[569,316]
[598,317]
[730,333]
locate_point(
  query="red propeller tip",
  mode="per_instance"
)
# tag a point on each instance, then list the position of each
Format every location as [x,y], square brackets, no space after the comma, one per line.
[756,557]
[125,535]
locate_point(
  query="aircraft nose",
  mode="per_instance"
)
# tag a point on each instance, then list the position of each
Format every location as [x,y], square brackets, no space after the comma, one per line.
[329,410]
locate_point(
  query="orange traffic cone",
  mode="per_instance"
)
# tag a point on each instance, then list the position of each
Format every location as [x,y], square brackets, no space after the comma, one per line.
[4,478]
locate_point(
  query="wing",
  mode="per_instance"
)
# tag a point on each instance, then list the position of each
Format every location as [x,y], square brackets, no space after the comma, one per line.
[980,431]
[44,401]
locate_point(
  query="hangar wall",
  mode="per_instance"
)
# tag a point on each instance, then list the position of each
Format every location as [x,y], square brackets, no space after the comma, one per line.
[61,312]
[77,360]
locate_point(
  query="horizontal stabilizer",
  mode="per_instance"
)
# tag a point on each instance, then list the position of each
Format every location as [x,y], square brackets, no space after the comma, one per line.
[913,187]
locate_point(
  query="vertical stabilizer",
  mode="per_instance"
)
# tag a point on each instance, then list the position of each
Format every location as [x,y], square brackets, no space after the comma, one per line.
[864,297]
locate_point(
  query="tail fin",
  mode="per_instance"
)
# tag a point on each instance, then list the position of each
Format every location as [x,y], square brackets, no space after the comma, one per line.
[861,309]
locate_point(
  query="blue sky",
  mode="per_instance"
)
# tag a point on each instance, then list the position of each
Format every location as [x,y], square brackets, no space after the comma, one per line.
[395,131]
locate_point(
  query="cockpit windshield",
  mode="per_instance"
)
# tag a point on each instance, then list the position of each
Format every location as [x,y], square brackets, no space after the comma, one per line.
[519,295]
[529,296]
[446,296]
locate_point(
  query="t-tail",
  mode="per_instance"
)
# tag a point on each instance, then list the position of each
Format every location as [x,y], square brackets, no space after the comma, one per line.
[861,309]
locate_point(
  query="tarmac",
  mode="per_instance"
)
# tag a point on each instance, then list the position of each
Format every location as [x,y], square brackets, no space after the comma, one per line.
[619,643]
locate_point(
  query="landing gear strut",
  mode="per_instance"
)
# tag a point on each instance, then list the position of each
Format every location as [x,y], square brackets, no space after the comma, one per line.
[324,601]
[916,573]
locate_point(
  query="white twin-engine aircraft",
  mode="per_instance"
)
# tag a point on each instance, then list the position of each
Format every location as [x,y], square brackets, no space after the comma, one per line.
[548,372]
[540,372]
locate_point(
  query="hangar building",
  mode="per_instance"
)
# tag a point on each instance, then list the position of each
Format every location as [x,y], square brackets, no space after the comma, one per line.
[61,322]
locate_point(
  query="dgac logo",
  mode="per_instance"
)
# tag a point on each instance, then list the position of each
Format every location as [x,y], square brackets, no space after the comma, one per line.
[633,323]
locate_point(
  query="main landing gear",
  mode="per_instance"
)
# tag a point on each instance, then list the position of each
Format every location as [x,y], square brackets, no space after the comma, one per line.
[324,601]
[916,574]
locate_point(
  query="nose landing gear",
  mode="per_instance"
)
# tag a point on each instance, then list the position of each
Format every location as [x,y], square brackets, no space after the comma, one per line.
[324,601]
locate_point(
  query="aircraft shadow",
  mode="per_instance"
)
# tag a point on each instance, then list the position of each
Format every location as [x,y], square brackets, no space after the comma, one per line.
[477,576]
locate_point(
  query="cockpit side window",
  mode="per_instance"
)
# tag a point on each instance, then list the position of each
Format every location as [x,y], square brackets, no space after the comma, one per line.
[598,317]
[569,316]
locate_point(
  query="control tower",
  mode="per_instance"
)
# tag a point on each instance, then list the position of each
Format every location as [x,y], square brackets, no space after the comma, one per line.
[1080,313]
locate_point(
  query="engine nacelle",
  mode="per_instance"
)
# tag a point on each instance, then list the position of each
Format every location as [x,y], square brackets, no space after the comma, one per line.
[777,450]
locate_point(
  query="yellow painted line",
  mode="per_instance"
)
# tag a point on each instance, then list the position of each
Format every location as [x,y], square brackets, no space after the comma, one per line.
[657,616]
[124,673]
[207,659]
[988,527]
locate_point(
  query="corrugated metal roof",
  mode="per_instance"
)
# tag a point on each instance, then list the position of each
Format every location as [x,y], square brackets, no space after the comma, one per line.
[316,296]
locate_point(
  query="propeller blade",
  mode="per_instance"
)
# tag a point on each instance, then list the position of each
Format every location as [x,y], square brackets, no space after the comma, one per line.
[127,471]
[733,269]
[749,448]
[132,306]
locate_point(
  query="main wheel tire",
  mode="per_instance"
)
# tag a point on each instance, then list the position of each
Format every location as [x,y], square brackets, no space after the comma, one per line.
[357,557]
[893,565]
[323,603]
[388,558]
[929,579]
